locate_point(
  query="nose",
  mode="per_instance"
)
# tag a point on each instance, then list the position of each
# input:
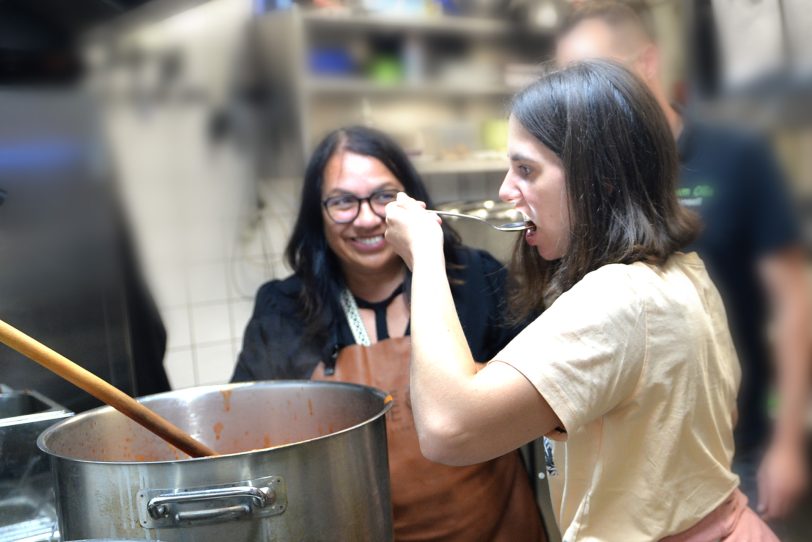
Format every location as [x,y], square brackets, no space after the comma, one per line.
[508,191]
[366,218]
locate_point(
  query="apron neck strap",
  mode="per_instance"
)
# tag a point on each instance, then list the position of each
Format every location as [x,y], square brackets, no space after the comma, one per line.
[350,304]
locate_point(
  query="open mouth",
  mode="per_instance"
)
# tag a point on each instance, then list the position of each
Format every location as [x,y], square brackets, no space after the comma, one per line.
[530,223]
[369,241]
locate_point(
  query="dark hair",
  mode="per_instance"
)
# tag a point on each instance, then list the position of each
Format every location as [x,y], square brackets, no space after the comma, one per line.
[620,165]
[308,253]
[626,18]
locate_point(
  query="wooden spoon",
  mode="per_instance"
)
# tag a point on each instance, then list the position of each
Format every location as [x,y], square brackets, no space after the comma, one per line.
[101,390]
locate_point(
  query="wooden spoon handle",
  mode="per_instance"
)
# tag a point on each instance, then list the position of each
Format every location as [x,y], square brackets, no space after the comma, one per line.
[101,390]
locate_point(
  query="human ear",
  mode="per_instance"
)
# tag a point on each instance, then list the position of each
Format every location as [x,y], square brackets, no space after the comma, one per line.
[649,63]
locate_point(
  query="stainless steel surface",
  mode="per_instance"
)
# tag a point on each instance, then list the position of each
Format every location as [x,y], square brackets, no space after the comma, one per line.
[27,510]
[258,498]
[320,448]
[22,403]
[509,226]
[496,212]
[61,281]
[38,529]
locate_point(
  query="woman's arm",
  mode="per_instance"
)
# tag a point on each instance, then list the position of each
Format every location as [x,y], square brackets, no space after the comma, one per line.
[462,416]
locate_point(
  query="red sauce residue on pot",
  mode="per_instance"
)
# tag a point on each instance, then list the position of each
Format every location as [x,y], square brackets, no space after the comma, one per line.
[175,452]
[226,400]
[266,441]
[147,457]
[310,406]
[218,430]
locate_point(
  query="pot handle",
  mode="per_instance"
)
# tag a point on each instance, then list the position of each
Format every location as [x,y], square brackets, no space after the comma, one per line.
[173,508]
[159,507]
[214,514]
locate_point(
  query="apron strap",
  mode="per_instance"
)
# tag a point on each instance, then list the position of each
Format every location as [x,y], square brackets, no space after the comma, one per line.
[350,308]
[380,311]
[350,305]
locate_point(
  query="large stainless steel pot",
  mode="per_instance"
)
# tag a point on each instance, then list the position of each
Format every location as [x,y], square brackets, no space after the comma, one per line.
[316,470]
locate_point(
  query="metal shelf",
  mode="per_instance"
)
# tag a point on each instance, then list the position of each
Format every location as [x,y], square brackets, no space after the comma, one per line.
[445,24]
[451,167]
[355,85]
[319,101]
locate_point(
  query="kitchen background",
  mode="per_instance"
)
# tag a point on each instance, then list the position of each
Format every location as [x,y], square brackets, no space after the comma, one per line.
[151,154]
[224,105]
[202,114]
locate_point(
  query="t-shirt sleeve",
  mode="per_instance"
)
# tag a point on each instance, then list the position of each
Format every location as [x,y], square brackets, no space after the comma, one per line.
[585,354]
[774,222]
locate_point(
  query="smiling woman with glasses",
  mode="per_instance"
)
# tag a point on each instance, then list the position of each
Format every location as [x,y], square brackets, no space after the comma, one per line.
[344,315]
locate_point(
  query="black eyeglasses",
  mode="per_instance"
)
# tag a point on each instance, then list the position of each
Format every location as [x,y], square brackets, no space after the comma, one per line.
[344,209]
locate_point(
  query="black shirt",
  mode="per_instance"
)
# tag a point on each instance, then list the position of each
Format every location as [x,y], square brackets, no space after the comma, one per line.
[274,346]
[732,181]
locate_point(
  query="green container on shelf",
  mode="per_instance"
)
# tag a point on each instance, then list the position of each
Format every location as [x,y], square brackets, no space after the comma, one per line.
[386,70]
[494,134]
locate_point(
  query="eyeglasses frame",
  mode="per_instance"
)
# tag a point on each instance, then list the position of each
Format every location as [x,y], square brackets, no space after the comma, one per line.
[358,202]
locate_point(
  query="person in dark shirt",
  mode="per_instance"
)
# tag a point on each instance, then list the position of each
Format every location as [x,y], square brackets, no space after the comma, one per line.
[344,316]
[751,246]
[733,182]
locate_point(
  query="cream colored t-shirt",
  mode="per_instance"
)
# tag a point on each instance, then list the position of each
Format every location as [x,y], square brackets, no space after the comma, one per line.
[638,364]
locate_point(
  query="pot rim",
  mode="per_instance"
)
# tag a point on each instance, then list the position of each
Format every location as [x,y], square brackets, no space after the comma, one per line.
[77,418]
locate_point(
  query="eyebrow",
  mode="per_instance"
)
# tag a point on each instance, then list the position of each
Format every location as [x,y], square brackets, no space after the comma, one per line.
[388,185]
[516,157]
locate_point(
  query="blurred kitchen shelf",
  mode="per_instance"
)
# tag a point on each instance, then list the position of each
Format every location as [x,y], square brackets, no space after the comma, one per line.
[348,85]
[409,23]
[442,93]
[451,167]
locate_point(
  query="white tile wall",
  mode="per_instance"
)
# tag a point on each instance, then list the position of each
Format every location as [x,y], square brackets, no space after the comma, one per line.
[204,244]
[210,323]
[246,275]
[205,238]
[180,368]
[169,284]
[277,231]
[208,282]
[178,330]
[240,314]
[215,363]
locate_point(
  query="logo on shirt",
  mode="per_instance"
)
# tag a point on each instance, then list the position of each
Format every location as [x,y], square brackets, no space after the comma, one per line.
[548,458]
[695,196]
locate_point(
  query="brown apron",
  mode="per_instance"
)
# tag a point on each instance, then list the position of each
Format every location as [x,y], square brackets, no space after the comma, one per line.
[491,501]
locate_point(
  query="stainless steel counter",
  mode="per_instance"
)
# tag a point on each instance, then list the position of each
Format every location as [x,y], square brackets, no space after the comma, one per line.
[27,511]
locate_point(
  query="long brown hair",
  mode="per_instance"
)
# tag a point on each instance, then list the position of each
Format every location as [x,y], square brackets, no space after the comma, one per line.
[620,164]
